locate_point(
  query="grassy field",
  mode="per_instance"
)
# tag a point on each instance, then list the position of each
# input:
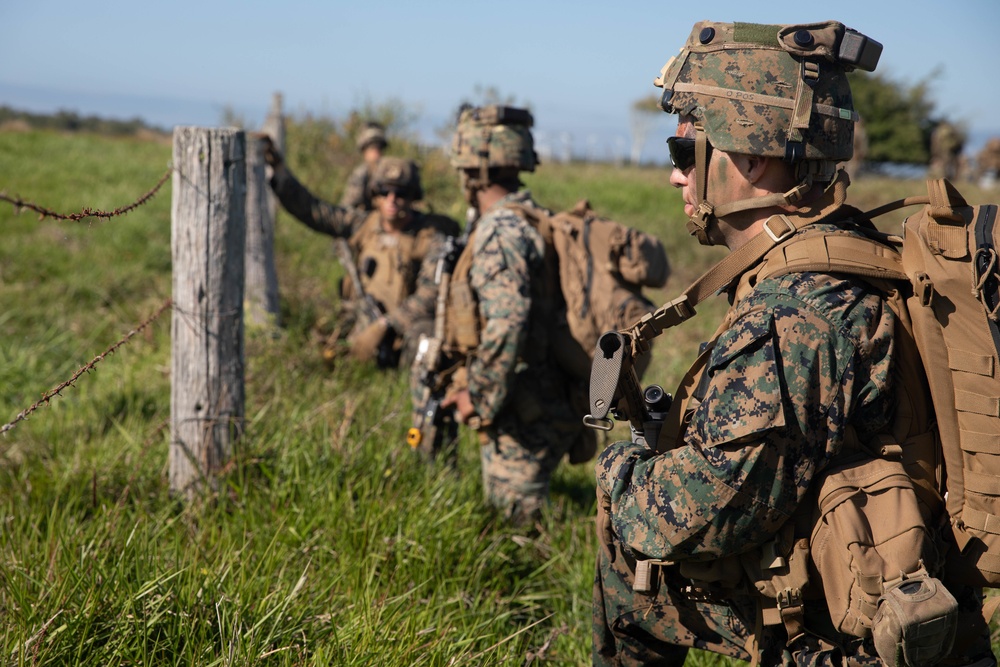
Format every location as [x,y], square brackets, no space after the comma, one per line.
[327,542]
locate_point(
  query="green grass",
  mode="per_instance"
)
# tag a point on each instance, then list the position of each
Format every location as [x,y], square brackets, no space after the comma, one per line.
[326,543]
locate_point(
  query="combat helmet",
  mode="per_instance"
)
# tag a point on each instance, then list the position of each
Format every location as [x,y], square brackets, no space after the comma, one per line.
[771,91]
[492,137]
[371,134]
[398,174]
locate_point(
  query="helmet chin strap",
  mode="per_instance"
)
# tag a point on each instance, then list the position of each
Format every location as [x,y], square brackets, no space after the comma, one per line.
[704,214]
[707,214]
[470,186]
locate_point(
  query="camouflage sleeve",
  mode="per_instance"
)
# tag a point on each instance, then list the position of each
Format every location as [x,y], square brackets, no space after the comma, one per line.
[420,304]
[501,276]
[784,382]
[354,191]
[315,213]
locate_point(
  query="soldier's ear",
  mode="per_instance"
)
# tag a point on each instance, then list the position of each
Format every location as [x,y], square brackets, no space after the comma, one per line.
[753,167]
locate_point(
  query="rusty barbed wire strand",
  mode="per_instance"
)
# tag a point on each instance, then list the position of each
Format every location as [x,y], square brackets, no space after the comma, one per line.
[20,204]
[55,391]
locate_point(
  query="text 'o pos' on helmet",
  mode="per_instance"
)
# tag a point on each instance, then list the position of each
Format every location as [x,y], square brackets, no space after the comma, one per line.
[494,136]
[399,174]
[770,90]
[372,134]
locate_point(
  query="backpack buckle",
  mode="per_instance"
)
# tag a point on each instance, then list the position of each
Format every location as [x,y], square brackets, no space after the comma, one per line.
[790,598]
[923,289]
[781,234]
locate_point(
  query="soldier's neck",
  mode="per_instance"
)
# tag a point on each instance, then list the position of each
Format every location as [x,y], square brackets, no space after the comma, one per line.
[490,195]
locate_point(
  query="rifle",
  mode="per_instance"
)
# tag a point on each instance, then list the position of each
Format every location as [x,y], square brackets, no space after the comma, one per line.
[368,309]
[614,389]
[433,428]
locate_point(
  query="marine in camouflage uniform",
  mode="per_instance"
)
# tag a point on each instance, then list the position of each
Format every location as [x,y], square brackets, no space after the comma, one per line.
[395,249]
[800,366]
[371,144]
[498,319]
[947,142]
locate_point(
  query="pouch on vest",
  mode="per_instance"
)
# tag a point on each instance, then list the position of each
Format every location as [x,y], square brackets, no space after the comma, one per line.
[870,534]
[915,624]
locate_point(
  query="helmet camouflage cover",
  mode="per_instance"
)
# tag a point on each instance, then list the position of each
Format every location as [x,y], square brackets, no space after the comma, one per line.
[372,133]
[398,174]
[494,136]
[770,90]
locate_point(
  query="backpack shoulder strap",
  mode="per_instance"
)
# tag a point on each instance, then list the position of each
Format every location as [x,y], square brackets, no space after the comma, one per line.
[537,217]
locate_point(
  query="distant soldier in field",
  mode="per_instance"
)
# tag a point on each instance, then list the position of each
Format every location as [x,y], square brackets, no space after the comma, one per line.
[988,162]
[499,318]
[856,165]
[371,143]
[947,142]
[394,249]
[707,530]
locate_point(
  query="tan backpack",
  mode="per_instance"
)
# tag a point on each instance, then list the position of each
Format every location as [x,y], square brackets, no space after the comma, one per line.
[947,308]
[949,256]
[602,268]
[950,253]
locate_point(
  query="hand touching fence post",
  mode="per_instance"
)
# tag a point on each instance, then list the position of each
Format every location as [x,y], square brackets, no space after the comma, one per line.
[208,225]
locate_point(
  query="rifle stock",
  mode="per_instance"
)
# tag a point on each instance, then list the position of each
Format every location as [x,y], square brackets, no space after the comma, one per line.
[615,390]
[435,428]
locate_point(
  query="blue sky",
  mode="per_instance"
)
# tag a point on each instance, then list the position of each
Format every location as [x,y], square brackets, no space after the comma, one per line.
[578,64]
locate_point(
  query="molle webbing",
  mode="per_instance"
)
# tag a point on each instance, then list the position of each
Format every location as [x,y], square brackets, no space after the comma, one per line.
[833,253]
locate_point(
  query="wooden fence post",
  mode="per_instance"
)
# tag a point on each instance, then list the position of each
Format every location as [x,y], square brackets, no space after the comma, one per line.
[263,310]
[208,227]
[262,296]
[274,127]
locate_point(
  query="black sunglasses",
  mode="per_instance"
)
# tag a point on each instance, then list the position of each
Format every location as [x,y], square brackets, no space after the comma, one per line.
[682,152]
[385,192]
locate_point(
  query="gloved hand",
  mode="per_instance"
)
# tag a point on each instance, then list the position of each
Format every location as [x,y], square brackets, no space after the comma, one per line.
[364,346]
[605,533]
[272,156]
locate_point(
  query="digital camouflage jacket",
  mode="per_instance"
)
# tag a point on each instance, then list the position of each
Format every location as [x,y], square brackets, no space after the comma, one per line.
[507,276]
[799,359]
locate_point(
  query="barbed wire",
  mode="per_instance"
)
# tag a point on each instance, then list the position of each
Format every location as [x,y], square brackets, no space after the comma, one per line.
[20,204]
[55,391]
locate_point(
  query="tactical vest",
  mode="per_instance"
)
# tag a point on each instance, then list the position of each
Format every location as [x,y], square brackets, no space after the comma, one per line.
[389,262]
[463,321]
